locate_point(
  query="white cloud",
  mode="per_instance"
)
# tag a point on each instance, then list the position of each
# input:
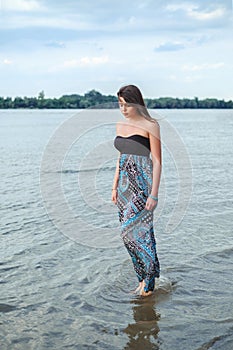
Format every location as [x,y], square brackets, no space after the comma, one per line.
[192,78]
[132,20]
[218,13]
[82,62]
[170,46]
[56,44]
[7,61]
[172,77]
[20,5]
[182,42]
[187,7]
[95,60]
[193,11]
[203,66]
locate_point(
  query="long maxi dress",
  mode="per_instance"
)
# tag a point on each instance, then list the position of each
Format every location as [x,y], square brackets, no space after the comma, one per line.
[134,187]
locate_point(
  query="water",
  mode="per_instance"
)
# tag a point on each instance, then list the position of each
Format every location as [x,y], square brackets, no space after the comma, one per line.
[60,291]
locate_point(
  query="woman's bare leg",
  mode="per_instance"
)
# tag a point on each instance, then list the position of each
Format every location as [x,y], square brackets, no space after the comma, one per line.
[138,289]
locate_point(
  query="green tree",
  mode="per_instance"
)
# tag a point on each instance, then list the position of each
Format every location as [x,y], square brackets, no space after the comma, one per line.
[19,102]
[41,95]
[8,103]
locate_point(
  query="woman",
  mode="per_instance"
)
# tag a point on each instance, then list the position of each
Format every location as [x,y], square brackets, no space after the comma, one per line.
[136,184]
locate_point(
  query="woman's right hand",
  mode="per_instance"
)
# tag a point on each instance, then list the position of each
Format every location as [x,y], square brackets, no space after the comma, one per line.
[114,196]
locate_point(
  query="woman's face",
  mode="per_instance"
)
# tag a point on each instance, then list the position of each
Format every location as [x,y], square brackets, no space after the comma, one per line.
[126,108]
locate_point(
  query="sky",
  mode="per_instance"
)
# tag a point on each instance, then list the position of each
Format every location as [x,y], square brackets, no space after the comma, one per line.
[173,48]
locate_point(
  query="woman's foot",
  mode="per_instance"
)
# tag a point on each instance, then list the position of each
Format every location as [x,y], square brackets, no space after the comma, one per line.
[142,291]
[145,294]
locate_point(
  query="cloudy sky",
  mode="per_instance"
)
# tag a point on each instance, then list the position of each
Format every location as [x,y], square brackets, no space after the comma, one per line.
[172,48]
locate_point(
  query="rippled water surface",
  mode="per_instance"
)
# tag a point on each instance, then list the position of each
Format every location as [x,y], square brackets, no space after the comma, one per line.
[66,277]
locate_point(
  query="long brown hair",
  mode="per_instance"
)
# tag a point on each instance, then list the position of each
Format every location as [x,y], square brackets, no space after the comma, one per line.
[133,95]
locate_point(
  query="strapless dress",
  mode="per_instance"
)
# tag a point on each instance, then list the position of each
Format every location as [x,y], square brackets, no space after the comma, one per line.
[134,187]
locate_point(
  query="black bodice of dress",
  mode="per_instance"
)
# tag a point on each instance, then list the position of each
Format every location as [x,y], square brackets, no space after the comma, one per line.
[134,144]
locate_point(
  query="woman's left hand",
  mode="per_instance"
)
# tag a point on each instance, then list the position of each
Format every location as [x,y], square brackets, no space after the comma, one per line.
[151,204]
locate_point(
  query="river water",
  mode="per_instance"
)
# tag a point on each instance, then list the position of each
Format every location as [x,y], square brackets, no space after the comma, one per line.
[65,275]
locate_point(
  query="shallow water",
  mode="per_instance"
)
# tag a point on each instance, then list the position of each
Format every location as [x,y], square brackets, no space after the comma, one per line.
[66,291]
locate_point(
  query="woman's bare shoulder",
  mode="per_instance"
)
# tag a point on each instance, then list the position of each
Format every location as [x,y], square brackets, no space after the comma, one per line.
[153,127]
[119,126]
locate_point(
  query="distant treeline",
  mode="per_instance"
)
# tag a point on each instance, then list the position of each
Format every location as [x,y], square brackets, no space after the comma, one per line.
[94,99]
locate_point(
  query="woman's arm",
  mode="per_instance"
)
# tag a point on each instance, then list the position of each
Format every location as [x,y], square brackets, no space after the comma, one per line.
[116,177]
[115,183]
[155,145]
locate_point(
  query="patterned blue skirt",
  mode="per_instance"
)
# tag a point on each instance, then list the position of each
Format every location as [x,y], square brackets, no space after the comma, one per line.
[134,186]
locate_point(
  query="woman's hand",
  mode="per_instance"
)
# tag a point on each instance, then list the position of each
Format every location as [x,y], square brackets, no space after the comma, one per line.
[151,204]
[114,196]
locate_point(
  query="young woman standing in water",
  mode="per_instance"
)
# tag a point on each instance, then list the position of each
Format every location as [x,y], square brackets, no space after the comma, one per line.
[136,184]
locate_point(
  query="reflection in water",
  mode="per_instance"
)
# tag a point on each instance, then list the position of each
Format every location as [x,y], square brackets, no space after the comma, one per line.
[143,333]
